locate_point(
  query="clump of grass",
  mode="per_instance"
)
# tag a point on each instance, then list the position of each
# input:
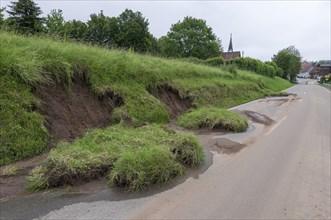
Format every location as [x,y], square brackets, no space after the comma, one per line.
[186,149]
[213,118]
[134,157]
[9,170]
[37,180]
[138,168]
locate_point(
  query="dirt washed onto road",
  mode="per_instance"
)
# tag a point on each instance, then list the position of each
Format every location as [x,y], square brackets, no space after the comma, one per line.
[69,113]
[240,163]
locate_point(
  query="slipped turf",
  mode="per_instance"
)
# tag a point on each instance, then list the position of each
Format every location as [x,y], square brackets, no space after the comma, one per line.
[133,158]
[28,62]
[212,118]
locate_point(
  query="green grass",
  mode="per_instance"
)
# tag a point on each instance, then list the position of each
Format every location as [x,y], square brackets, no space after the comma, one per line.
[133,158]
[21,128]
[9,170]
[213,118]
[326,85]
[27,62]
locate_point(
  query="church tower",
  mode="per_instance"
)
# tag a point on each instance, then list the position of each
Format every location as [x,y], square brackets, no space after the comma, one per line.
[230,55]
[230,44]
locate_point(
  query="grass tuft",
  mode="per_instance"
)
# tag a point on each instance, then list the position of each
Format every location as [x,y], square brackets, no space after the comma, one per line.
[140,167]
[121,151]
[9,170]
[213,118]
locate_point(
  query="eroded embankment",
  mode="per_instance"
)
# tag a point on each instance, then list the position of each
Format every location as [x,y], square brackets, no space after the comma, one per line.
[71,112]
[171,98]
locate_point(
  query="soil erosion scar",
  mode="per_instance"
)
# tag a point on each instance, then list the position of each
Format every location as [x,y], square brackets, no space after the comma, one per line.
[71,113]
[170,97]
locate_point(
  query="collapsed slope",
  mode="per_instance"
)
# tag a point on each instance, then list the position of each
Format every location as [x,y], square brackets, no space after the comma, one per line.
[126,87]
[69,113]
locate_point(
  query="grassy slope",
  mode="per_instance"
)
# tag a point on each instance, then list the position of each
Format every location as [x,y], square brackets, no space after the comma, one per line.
[29,61]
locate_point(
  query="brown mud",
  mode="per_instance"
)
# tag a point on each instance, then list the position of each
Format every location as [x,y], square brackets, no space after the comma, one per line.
[220,145]
[170,97]
[13,186]
[69,114]
[257,117]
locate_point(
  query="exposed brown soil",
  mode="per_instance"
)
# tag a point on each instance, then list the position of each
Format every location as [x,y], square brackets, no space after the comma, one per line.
[171,99]
[71,113]
[257,117]
[11,186]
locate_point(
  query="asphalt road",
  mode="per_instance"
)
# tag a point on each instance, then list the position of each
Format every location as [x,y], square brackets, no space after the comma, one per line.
[283,172]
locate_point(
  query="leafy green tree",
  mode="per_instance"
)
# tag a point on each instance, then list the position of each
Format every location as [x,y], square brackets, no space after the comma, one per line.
[24,16]
[152,45]
[190,38]
[75,30]
[101,29]
[133,32]
[279,71]
[289,60]
[54,23]
[2,19]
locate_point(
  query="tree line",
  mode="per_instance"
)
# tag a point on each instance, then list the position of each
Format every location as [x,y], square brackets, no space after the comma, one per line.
[191,38]
[188,38]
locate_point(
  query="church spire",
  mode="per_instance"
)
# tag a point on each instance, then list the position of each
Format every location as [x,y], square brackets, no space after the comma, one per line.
[230,45]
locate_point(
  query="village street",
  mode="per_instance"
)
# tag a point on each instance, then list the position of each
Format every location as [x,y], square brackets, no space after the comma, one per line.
[283,171]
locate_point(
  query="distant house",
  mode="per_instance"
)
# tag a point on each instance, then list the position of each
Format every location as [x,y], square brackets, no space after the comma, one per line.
[306,70]
[323,68]
[230,55]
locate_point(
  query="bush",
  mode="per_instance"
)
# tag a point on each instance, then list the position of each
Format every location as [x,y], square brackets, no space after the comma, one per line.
[193,60]
[256,66]
[216,61]
[213,118]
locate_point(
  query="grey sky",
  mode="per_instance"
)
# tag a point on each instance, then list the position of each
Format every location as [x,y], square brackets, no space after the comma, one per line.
[260,28]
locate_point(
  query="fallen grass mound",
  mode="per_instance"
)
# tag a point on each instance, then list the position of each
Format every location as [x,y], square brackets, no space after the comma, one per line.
[133,158]
[213,118]
[27,62]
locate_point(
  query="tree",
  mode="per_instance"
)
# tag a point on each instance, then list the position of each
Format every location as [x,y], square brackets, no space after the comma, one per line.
[289,60]
[75,30]
[133,32]
[190,38]
[54,23]
[101,29]
[24,16]
[279,71]
[2,19]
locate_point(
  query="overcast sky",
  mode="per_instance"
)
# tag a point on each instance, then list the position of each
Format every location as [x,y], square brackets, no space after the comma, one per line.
[259,28]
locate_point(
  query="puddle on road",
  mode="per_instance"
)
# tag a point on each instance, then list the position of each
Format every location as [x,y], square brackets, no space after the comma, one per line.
[257,117]
[227,146]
